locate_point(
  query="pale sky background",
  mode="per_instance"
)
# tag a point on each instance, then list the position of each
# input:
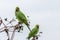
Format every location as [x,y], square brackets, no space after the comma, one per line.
[44,12]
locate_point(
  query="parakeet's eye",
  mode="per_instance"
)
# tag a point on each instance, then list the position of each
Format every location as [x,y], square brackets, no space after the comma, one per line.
[37,26]
[17,9]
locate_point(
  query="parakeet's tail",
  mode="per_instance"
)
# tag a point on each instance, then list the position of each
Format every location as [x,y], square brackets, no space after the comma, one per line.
[28,27]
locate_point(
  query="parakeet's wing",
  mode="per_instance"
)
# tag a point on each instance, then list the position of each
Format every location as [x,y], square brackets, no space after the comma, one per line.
[22,18]
[17,16]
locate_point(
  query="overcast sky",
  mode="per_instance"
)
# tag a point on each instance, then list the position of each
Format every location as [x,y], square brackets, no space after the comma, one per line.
[44,12]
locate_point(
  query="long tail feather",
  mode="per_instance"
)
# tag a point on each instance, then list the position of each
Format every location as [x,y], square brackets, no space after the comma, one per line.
[28,27]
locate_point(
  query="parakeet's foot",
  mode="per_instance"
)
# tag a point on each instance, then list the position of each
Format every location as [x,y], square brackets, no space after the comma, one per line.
[19,22]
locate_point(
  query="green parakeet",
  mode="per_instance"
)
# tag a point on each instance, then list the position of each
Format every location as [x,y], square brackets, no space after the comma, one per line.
[21,17]
[33,32]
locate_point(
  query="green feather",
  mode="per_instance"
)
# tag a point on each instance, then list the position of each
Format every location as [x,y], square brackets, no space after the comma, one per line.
[21,17]
[33,32]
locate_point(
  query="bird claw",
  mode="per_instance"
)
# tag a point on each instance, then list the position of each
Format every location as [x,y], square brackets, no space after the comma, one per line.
[19,22]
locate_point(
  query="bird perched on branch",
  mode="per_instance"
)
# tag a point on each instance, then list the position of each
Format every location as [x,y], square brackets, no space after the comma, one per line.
[33,32]
[21,17]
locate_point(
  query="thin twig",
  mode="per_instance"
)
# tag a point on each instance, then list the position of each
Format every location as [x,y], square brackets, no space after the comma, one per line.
[1,31]
[6,30]
[16,27]
[13,34]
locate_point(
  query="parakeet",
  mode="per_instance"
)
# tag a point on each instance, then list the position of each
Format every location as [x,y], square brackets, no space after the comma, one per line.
[21,17]
[33,32]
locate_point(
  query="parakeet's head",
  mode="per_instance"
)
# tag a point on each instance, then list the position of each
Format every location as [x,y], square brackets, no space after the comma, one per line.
[17,9]
[37,25]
